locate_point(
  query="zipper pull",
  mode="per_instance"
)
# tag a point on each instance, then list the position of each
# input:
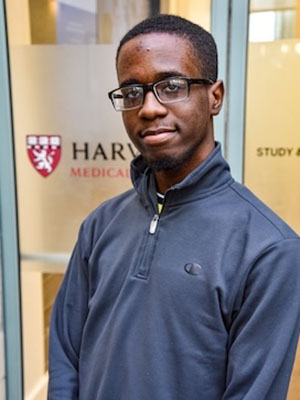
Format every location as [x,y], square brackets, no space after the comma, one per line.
[153,224]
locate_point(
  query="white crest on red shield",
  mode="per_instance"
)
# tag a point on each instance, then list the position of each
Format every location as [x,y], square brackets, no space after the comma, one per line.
[44,152]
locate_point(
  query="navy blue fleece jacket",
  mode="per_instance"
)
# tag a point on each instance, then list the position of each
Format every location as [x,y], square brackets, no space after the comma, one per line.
[200,303]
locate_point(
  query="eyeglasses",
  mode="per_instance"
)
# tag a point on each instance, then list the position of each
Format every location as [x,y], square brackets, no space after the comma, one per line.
[170,90]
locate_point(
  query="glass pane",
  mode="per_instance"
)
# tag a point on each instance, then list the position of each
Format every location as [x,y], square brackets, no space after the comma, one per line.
[72,151]
[272,151]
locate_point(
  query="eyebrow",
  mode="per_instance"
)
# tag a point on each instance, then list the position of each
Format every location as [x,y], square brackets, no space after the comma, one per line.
[161,75]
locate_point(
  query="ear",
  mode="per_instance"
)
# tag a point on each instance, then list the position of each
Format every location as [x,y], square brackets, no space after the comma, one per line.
[216,95]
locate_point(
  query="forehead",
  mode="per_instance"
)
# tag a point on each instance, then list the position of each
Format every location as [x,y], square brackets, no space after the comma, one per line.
[148,57]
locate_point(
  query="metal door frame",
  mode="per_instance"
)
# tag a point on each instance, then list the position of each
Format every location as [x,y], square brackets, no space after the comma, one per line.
[9,229]
[230,19]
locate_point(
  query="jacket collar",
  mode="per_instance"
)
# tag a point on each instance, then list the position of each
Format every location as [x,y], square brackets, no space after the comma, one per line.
[210,176]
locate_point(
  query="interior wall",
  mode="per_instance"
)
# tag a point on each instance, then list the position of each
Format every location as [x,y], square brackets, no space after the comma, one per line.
[115,19]
[265,5]
[33,329]
[272,157]
[42,15]
[18,31]
[298,19]
[197,11]
[272,144]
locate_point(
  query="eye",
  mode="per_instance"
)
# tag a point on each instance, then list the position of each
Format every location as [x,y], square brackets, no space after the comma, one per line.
[132,93]
[172,86]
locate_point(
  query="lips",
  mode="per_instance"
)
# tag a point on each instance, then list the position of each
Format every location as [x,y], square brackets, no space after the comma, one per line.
[156,131]
[156,136]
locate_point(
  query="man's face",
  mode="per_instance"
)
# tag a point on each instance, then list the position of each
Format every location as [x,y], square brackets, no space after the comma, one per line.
[169,136]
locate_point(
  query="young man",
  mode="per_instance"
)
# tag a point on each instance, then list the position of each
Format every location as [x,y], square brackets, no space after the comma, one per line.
[186,287]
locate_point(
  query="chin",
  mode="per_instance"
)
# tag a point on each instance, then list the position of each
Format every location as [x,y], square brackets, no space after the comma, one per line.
[168,163]
[165,164]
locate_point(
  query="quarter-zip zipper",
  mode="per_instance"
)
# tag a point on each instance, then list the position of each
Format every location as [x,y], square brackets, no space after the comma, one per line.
[143,268]
[153,224]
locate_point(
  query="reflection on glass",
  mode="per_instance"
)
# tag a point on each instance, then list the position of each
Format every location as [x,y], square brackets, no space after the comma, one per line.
[62,56]
[272,146]
[273,20]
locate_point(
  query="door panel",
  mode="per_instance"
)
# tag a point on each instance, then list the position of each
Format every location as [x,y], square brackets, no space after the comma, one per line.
[72,151]
[272,141]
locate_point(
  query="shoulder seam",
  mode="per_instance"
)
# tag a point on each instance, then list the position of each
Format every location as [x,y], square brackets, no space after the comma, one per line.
[268,219]
[270,246]
[255,260]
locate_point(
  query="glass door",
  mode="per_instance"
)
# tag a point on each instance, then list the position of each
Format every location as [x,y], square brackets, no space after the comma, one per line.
[72,151]
[272,145]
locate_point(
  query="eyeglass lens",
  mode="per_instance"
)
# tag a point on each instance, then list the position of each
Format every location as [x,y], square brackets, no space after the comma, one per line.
[171,89]
[128,97]
[167,91]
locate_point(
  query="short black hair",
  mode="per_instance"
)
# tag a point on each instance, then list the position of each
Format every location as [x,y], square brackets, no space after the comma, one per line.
[200,40]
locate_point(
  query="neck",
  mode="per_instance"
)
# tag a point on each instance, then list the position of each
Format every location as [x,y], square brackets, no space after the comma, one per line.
[167,178]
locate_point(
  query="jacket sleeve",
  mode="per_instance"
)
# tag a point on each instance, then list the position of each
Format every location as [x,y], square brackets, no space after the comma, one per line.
[263,336]
[67,321]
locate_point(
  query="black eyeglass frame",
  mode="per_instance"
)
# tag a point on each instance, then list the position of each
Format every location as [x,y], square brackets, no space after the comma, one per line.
[150,87]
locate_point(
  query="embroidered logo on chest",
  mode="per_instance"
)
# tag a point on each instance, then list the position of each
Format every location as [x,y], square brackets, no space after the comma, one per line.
[193,269]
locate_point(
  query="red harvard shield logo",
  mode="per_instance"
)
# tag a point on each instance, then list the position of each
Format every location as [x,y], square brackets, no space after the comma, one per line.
[44,152]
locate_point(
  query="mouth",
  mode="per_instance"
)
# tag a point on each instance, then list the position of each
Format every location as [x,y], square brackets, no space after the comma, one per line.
[157,136]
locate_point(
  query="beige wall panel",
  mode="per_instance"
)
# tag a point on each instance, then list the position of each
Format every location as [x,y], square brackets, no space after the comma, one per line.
[43,21]
[19,22]
[115,19]
[33,329]
[298,19]
[272,158]
[294,389]
[197,11]
[62,90]
[270,5]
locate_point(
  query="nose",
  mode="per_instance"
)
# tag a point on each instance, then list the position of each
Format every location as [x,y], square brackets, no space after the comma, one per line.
[152,108]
